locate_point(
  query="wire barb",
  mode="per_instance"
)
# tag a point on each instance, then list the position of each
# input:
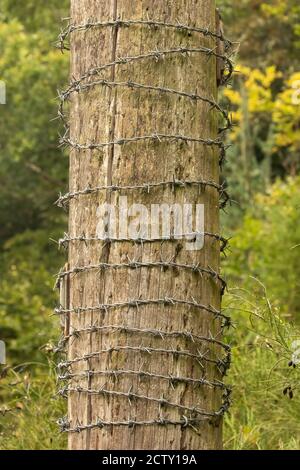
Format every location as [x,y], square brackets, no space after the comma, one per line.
[206,352]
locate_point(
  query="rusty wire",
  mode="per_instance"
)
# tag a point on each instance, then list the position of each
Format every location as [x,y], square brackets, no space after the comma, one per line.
[189,415]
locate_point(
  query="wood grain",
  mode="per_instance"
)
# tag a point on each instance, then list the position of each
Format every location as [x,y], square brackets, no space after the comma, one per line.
[104,114]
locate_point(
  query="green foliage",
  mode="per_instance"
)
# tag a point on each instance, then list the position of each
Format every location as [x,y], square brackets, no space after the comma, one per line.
[264,96]
[268,31]
[266,227]
[36,15]
[265,413]
[264,245]
[286,117]
[32,168]
[27,297]
[33,171]
[266,137]
[30,410]
[28,386]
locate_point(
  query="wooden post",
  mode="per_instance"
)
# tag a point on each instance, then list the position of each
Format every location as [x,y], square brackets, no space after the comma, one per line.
[145,350]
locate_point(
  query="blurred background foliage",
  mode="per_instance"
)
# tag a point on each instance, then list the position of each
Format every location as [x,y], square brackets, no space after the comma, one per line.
[32,171]
[262,270]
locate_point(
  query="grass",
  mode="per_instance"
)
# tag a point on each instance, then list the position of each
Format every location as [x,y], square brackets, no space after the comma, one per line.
[265,413]
[29,409]
[261,416]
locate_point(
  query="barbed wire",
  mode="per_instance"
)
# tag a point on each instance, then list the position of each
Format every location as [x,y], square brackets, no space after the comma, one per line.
[77,86]
[71,28]
[222,363]
[189,416]
[162,402]
[163,265]
[63,200]
[155,137]
[173,379]
[183,421]
[136,303]
[190,237]
[151,331]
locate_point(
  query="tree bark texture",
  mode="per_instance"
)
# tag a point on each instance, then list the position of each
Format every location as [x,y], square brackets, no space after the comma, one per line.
[131,399]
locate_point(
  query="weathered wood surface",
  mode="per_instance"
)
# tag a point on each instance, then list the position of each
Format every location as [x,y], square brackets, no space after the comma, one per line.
[105,114]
